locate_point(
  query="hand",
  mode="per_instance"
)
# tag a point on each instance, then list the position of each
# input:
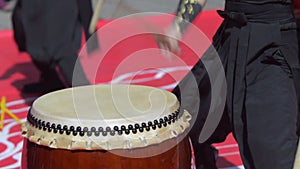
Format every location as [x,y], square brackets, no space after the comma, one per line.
[169,42]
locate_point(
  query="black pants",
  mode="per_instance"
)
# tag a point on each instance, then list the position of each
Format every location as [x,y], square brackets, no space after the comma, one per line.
[268,138]
[194,93]
[262,105]
[51,33]
[70,69]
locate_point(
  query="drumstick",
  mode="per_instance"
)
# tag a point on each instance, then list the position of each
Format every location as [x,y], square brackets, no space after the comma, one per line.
[95,17]
[297,158]
[5,110]
[2,112]
[97,12]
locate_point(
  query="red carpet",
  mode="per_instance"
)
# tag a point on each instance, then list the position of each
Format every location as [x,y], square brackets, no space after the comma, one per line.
[143,65]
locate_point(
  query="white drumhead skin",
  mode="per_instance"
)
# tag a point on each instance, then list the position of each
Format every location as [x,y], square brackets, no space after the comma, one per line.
[89,105]
[105,106]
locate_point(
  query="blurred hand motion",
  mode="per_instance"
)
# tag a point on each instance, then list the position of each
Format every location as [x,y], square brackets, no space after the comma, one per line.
[169,41]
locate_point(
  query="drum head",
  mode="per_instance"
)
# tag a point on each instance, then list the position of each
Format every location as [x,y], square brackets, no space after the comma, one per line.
[105,117]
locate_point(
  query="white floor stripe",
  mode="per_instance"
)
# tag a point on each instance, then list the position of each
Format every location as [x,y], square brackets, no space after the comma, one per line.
[238,167]
[229,154]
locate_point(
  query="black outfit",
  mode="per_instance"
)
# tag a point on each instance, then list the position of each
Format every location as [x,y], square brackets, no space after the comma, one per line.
[50,31]
[258,46]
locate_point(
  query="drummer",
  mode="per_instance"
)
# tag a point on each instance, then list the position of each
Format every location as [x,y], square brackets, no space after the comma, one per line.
[257,43]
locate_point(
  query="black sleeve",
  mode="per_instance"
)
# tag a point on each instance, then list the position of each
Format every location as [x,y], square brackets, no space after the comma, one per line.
[186,13]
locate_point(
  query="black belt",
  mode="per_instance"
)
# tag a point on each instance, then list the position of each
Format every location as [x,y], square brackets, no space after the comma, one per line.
[265,13]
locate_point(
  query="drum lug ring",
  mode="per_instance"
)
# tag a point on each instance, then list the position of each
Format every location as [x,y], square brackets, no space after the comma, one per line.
[120,130]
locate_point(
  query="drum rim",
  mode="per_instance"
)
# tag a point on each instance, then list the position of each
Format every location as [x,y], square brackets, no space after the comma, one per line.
[122,129]
[45,137]
[133,135]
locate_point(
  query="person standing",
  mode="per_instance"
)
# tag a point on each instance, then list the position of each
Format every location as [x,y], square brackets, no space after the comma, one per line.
[51,31]
[258,46]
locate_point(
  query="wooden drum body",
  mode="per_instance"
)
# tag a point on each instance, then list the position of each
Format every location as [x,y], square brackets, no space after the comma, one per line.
[107,127]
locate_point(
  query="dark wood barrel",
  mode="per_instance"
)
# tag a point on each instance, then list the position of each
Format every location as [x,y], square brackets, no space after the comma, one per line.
[41,157]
